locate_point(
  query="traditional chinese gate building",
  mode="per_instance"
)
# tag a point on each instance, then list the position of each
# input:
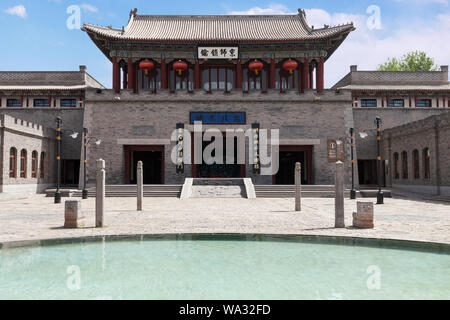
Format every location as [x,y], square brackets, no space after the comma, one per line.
[237,72]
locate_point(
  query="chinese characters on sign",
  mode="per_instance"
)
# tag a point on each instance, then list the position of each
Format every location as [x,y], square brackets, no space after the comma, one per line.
[336,150]
[218,117]
[218,52]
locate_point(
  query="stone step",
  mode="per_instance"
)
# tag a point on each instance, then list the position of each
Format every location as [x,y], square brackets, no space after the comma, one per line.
[125,191]
[305,194]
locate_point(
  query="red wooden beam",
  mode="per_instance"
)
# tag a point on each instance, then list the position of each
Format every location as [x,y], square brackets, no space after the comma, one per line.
[116,75]
[272,74]
[197,75]
[238,75]
[320,83]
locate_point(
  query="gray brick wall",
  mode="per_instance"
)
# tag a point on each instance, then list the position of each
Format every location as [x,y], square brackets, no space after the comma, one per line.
[432,133]
[29,136]
[309,116]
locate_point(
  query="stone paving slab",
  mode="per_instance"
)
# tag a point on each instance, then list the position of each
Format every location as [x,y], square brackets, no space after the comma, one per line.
[35,217]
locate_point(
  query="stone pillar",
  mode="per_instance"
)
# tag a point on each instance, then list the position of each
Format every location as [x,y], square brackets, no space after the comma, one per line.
[163,74]
[320,75]
[116,75]
[238,75]
[100,194]
[140,185]
[73,217]
[272,74]
[339,195]
[298,187]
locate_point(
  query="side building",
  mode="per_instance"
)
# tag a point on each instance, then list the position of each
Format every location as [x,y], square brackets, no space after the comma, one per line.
[418,156]
[398,98]
[30,102]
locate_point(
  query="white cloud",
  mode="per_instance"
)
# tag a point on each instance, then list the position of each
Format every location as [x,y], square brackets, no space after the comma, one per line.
[19,11]
[271,9]
[424,2]
[370,48]
[89,8]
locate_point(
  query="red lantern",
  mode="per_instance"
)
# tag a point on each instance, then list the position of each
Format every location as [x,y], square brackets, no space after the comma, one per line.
[256,66]
[180,66]
[290,66]
[146,65]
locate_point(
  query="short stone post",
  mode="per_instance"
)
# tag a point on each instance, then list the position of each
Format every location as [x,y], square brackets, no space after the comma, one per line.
[298,187]
[363,218]
[140,185]
[339,195]
[73,217]
[100,194]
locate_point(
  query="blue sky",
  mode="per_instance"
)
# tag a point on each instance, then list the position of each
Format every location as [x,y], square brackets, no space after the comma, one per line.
[35,35]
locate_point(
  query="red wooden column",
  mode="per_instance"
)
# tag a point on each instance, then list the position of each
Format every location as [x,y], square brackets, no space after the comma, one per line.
[116,75]
[131,75]
[320,75]
[238,75]
[272,74]
[197,75]
[163,74]
[305,75]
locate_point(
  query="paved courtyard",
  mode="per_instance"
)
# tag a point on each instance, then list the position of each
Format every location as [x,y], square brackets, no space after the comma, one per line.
[36,217]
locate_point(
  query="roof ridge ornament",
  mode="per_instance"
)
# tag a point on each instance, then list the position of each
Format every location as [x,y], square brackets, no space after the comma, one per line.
[133,12]
[302,12]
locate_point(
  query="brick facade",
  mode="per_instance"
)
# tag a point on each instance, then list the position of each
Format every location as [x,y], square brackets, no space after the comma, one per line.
[33,138]
[302,119]
[431,133]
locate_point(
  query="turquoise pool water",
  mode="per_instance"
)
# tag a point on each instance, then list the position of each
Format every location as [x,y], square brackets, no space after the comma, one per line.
[221,270]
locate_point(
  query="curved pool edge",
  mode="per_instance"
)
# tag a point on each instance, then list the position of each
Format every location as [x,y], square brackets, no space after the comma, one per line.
[412,245]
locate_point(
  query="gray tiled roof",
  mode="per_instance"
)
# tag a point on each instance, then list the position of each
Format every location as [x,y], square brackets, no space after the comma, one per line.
[216,28]
[386,87]
[47,80]
[395,80]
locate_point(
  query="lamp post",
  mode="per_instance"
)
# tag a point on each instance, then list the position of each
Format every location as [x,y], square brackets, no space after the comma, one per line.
[58,160]
[380,195]
[86,141]
[59,132]
[85,193]
[352,145]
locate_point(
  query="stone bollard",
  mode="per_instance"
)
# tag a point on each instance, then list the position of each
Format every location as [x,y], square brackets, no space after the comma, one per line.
[73,217]
[363,219]
[298,187]
[140,185]
[339,195]
[100,194]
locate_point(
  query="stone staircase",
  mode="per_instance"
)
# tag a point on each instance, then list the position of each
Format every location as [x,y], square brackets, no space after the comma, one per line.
[218,188]
[288,191]
[122,191]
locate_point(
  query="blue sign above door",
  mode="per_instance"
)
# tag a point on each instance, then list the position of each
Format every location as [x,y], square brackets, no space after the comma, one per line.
[219,117]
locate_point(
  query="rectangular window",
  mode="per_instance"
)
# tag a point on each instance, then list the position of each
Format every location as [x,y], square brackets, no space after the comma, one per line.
[368,102]
[396,103]
[41,103]
[13,103]
[68,103]
[424,103]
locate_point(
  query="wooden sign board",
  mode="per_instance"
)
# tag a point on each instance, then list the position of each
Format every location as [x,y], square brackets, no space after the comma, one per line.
[218,52]
[336,150]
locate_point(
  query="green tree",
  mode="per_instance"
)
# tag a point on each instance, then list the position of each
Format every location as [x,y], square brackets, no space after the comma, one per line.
[412,61]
